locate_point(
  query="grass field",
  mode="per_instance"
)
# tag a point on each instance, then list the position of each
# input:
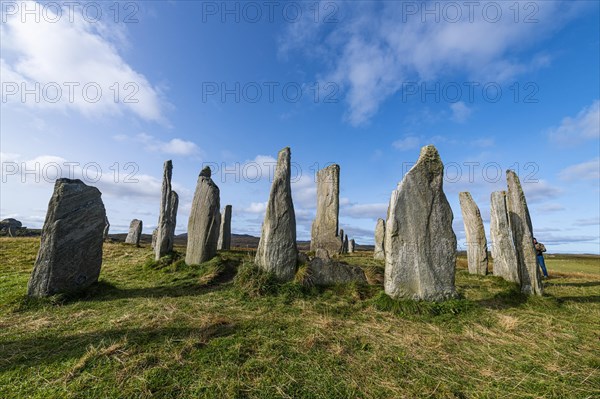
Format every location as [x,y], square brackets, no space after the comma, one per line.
[222,330]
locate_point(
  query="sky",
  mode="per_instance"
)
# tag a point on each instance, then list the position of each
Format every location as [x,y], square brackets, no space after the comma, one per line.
[107,91]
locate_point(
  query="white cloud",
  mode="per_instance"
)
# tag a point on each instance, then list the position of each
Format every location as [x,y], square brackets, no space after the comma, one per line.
[256,207]
[460,112]
[406,143]
[71,60]
[174,146]
[584,126]
[589,170]
[540,191]
[380,48]
[548,208]
[371,211]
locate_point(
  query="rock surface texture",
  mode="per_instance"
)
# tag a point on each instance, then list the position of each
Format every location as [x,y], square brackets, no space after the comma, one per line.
[324,231]
[351,246]
[225,231]
[277,251]
[329,272]
[420,245]
[70,254]
[504,253]
[379,240]
[520,223]
[135,232]
[477,255]
[204,222]
[167,218]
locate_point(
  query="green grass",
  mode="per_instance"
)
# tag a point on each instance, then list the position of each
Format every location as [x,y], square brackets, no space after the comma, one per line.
[223,329]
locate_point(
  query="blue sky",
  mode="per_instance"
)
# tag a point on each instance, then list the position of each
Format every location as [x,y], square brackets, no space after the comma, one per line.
[494,85]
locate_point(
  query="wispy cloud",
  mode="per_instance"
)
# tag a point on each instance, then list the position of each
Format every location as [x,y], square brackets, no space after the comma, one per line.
[372,56]
[57,52]
[589,170]
[584,126]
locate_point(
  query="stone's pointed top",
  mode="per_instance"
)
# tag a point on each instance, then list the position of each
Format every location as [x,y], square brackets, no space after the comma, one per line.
[465,194]
[169,163]
[64,180]
[206,172]
[431,158]
[429,151]
[284,152]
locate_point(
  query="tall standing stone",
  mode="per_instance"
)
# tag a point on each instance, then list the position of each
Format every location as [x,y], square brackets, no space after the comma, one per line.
[154,234]
[167,219]
[351,246]
[225,231]
[277,252]
[504,253]
[106,228]
[135,232]
[205,220]
[70,254]
[420,245]
[341,242]
[324,231]
[520,223]
[379,240]
[345,247]
[477,256]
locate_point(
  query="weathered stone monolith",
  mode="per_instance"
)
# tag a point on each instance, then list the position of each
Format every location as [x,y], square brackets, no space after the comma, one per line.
[205,221]
[329,272]
[277,251]
[341,241]
[70,254]
[420,245]
[324,232]
[167,219]
[106,228]
[11,226]
[135,232]
[154,234]
[504,253]
[379,240]
[477,256]
[345,247]
[351,246]
[520,223]
[225,231]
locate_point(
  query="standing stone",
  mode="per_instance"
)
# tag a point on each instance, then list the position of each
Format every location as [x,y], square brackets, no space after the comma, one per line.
[70,253]
[520,223]
[106,228]
[225,232]
[351,246]
[277,252]
[477,256]
[154,234]
[204,222]
[504,253]
[167,218]
[345,247]
[324,232]
[341,242]
[11,226]
[135,232]
[379,240]
[420,245]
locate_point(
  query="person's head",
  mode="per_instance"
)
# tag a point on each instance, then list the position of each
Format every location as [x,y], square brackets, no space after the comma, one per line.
[534,240]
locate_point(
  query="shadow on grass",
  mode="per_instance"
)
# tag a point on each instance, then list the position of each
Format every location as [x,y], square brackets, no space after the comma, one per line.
[579,299]
[204,279]
[582,284]
[511,298]
[46,349]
